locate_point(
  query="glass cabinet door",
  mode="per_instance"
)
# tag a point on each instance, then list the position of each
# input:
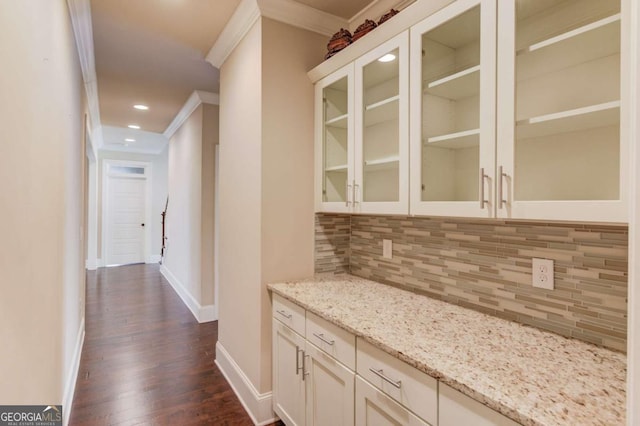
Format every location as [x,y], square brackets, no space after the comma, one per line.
[381,130]
[335,150]
[453,110]
[561,145]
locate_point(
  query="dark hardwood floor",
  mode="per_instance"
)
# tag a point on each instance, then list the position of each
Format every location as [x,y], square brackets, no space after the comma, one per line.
[146,360]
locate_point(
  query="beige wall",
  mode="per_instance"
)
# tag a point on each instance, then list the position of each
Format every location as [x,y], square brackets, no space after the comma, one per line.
[266,184]
[210,136]
[239,310]
[189,228]
[182,255]
[41,170]
[287,162]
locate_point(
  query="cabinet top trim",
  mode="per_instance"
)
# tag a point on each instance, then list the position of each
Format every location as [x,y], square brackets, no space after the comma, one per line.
[409,16]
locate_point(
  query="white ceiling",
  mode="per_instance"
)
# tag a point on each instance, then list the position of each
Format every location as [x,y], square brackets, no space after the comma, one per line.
[153,52]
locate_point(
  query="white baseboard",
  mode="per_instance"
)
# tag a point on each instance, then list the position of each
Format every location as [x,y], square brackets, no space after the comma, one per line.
[154,258]
[201,313]
[91,264]
[258,406]
[207,313]
[70,385]
[100,263]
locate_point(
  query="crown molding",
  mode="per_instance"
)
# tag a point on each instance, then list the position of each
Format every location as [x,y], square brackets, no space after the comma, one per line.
[246,14]
[197,97]
[80,13]
[286,11]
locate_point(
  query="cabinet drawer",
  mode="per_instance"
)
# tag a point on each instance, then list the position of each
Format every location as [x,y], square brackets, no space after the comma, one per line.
[332,339]
[289,313]
[373,408]
[410,387]
[459,409]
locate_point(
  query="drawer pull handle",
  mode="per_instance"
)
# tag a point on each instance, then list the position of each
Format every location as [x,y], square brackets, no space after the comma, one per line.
[304,365]
[321,337]
[380,374]
[284,314]
[298,350]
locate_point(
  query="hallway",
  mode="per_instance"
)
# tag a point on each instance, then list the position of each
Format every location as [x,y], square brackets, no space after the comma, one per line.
[145,359]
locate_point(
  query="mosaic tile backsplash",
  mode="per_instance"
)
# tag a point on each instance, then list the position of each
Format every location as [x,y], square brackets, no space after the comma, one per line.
[486,265]
[333,233]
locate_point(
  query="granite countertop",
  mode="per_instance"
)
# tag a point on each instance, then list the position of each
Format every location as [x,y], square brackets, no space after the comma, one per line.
[531,376]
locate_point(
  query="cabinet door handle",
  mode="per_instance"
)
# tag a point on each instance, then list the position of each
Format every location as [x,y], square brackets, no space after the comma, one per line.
[347,191]
[298,350]
[284,314]
[304,365]
[355,192]
[396,383]
[501,175]
[321,337]
[483,202]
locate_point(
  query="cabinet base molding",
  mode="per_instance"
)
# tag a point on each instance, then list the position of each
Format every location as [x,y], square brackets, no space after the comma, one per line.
[257,405]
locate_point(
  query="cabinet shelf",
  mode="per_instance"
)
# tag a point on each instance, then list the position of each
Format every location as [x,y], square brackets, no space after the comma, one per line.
[602,23]
[382,164]
[382,103]
[458,140]
[459,85]
[339,121]
[338,168]
[596,40]
[593,116]
[384,110]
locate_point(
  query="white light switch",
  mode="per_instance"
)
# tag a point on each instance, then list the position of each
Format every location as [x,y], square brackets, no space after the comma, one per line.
[542,273]
[387,249]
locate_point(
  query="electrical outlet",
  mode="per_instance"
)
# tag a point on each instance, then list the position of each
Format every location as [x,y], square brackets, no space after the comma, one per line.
[387,249]
[542,273]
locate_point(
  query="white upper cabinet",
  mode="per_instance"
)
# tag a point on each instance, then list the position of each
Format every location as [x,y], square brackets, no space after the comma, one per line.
[561,153]
[334,141]
[453,59]
[362,143]
[515,109]
[381,128]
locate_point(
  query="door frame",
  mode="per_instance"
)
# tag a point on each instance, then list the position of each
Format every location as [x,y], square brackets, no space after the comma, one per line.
[148,178]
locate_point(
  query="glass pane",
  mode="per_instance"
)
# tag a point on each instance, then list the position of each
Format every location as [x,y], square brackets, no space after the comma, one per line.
[381,132]
[127,170]
[567,100]
[450,109]
[335,141]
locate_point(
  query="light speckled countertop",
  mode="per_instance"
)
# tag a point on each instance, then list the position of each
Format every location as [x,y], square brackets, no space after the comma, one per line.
[533,377]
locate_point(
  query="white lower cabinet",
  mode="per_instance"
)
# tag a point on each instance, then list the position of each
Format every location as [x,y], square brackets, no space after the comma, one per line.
[288,386]
[373,408]
[324,376]
[329,389]
[311,384]
[457,409]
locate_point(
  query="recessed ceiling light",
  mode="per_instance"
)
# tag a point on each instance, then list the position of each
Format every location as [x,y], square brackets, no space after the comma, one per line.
[141,107]
[129,140]
[133,126]
[387,58]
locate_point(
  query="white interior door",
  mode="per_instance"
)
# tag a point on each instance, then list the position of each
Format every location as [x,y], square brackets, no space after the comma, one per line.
[126,220]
